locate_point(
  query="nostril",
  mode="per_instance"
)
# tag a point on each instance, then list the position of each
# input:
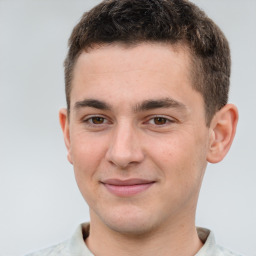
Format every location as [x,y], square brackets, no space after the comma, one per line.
[124,148]
[123,158]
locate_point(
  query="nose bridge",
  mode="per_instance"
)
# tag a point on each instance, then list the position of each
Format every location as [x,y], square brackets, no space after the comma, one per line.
[124,147]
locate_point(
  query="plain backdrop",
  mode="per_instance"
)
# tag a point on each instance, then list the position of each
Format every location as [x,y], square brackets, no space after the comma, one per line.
[40,204]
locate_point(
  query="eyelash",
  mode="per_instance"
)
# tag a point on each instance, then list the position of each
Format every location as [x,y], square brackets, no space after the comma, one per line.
[166,121]
[89,121]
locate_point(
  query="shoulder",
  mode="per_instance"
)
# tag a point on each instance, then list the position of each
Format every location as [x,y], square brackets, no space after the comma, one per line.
[74,246]
[59,249]
[221,251]
[210,247]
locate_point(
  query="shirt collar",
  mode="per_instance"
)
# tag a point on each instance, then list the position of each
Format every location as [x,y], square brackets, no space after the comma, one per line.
[77,246]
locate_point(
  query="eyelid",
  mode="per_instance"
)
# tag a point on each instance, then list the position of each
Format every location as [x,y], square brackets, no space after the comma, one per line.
[87,119]
[168,119]
[107,120]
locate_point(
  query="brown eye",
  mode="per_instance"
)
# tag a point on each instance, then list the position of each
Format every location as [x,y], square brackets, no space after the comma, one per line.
[97,120]
[160,120]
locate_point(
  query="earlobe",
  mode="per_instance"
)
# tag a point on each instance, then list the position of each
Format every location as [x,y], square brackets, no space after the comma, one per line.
[64,123]
[222,132]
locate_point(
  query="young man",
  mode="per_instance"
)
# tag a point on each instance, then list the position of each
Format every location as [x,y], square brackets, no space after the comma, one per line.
[147,87]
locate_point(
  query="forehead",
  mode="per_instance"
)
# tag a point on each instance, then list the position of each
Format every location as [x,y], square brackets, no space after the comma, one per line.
[122,57]
[135,73]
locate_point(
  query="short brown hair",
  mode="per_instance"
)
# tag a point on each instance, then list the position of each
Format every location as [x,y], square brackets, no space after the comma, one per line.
[170,21]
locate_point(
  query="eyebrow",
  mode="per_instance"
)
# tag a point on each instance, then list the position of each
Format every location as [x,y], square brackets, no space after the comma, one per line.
[159,103]
[93,103]
[143,106]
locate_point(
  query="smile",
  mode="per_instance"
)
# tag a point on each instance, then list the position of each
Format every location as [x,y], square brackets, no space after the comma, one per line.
[126,188]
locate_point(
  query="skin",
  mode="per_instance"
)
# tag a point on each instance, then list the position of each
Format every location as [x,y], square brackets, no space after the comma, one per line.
[135,115]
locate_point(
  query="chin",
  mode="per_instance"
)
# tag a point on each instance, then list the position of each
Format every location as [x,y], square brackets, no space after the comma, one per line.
[131,228]
[129,222]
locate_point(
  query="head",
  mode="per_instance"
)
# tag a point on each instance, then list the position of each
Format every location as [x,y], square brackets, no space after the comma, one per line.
[147,84]
[174,22]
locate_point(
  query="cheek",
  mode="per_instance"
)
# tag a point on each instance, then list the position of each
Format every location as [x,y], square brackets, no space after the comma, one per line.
[181,157]
[87,152]
[86,155]
[170,150]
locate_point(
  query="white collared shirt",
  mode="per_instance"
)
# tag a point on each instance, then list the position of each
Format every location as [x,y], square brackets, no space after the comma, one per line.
[77,247]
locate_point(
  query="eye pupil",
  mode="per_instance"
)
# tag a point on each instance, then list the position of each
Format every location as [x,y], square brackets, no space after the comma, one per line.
[159,120]
[98,120]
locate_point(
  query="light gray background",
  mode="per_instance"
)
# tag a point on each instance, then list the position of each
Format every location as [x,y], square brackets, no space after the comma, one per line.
[39,202]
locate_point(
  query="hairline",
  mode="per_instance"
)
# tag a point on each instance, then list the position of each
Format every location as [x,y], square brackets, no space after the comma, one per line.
[194,64]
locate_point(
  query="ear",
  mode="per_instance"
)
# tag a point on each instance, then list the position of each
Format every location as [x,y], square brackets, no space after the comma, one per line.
[222,129]
[64,123]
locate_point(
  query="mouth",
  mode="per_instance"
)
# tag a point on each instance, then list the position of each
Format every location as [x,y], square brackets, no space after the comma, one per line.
[126,188]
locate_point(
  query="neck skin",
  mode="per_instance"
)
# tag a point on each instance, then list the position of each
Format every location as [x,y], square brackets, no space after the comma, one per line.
[179,238]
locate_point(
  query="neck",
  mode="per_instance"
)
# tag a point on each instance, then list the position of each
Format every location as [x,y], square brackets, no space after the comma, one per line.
[175,239]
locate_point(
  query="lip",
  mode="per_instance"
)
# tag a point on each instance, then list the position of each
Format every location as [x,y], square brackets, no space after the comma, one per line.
[126,188]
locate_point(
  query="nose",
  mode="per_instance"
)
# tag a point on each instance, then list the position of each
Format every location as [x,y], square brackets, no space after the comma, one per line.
[125,147]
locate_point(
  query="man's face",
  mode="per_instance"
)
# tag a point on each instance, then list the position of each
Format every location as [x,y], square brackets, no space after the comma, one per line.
[137,136]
